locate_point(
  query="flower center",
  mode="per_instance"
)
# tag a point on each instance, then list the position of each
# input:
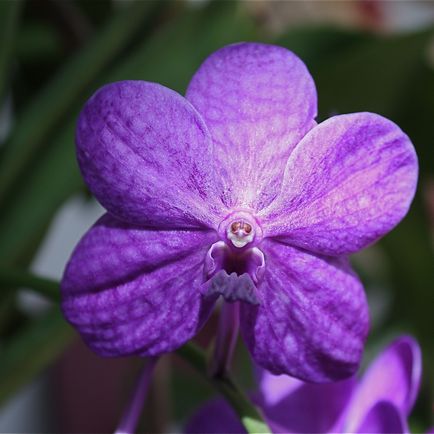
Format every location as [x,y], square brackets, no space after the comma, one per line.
[240,233]
[240,229]
[234,265]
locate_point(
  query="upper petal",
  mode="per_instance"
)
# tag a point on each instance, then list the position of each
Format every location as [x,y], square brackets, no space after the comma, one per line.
[349,181]
[312,319]
[258,101]
[146,155]
[133,291]
[299,407]
[394,376]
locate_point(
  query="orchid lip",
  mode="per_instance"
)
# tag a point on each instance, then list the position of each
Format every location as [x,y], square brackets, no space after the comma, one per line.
[234,265]
[220,257]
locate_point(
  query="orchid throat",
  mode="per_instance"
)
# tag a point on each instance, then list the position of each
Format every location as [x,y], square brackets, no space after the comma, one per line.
[234,264]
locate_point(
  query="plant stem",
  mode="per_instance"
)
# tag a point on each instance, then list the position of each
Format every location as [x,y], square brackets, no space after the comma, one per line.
[226,339]
[134,407]
[249,415]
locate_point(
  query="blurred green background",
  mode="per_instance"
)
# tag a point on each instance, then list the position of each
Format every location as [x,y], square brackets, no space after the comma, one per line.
[365,55]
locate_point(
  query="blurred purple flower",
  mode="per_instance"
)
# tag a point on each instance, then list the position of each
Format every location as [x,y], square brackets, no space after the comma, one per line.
[379,402]
[233,191]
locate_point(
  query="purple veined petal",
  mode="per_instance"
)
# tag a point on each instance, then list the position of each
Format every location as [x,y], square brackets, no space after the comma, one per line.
[258,101]
[383,418]
[294,406]
[312,320]
[147,156]
[349,181]
[394,376]
[214,417]
[129,290]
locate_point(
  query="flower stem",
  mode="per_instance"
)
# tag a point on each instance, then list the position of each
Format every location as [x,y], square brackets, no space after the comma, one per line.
[249,415]
[132,411]
[226,340]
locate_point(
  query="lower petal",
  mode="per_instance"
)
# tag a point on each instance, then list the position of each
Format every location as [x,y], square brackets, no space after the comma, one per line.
[134,291]
[299,407]
[383,418]
[312,319]
[394,376]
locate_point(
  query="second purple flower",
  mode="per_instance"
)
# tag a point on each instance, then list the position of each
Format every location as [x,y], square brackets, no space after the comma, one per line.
[233,190]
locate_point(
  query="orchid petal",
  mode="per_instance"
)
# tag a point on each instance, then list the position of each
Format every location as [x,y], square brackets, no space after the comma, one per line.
[215,417]
[299,407]
[258,101]
[383,418]
[349,181]
[275,388]
[394,376]
[128,290]
[312,319]
[146,155]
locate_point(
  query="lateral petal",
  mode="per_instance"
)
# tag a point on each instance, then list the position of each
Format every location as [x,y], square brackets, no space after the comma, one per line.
[129,290]
[146,155]
[349,181]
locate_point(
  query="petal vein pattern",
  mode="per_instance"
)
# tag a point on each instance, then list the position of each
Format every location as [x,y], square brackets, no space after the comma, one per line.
[135,291]
[146,155]
[313,318]
[258,101]
[349,181]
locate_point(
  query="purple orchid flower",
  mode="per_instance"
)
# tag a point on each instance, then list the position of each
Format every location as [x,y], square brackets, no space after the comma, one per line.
[233,191]
[378,403]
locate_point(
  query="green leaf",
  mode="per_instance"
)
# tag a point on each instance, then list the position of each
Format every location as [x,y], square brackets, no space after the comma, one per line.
[7,311]
[362,80]
[172,55]
[10,278]
[322,43]
[50,106]
[9,18]
[177,49]
[33,348]
[412,275]
[54,176]
[47,186]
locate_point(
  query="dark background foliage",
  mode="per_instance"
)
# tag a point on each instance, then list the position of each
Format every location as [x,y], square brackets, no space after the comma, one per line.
[55,54]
